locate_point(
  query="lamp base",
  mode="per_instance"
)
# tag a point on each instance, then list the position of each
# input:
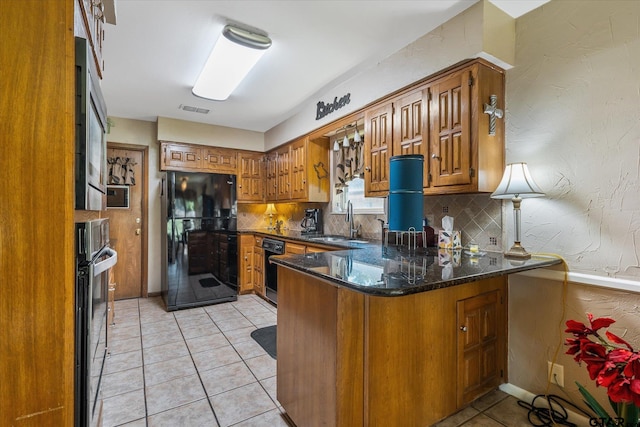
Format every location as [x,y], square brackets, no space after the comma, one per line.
[517,251]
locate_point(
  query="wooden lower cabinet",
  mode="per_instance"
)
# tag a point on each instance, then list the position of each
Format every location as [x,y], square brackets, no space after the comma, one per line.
[245,276]
[349,359]
[294,248]
[258,266]
[251,263]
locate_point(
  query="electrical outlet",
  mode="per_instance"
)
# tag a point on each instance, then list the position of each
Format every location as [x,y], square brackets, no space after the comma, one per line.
[556,372]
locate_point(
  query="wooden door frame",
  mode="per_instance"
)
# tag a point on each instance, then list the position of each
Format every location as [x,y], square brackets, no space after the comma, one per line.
[144,244]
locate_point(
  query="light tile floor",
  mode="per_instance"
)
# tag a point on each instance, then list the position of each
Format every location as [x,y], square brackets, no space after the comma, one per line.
[200,367]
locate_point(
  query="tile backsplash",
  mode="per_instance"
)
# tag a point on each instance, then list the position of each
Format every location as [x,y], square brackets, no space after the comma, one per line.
[477,216]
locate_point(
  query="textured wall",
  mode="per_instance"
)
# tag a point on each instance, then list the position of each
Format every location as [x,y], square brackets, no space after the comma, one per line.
[573,114]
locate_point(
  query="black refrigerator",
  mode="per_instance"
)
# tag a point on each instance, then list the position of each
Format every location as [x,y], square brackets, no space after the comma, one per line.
[199,239]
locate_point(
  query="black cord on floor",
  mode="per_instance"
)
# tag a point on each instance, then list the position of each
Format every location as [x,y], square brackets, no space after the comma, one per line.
[553,414]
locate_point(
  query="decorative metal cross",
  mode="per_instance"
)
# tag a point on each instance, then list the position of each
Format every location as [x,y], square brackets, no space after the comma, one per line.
[494,112]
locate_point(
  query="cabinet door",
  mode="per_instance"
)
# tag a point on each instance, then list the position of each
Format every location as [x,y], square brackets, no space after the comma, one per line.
[246,264]
[258,268]
[178,157]
[251,173]
[93,19]
[294,248]
[450,130]
[378,139]
[272,177]
[298,169]
[409,130]
[315,249]
[284,177]
[479,343]
[220,160]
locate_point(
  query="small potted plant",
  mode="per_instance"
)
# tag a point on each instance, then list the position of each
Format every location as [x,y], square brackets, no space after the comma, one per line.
[611,363]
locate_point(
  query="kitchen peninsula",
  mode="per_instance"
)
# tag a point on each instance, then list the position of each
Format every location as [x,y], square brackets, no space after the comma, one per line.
[378,336]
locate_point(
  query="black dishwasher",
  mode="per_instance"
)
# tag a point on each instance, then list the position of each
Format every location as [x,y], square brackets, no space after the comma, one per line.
[271,247]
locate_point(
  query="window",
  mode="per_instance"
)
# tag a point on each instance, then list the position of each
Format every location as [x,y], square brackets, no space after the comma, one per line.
[355,192]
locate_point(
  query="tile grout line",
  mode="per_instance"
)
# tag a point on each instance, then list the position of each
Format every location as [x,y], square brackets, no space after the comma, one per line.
[206,395]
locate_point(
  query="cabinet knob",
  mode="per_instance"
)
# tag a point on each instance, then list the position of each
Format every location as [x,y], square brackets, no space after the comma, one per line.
[367,168]
[435,156]
[463,328]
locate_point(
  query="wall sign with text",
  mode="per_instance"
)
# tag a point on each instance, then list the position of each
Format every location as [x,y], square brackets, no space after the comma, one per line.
[323,109]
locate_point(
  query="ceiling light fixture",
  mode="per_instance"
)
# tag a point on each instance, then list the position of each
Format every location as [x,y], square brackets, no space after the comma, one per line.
[234,54]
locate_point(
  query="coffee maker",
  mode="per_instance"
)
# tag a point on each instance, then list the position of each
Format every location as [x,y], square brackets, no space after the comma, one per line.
[312,221]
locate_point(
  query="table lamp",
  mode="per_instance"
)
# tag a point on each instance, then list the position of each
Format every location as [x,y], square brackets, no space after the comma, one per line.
[517,184]
[271,210]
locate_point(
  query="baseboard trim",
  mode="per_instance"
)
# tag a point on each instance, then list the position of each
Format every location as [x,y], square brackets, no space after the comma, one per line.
[526,396]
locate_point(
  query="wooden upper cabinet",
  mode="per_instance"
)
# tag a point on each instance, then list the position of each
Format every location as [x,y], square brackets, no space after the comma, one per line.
[310,170]
[180,157]
[283,167]
[410,124]
[251,174]
[220,160]
[378,136]
[450,125]
[92,15]
[441,118]
[197,158]
[299,166]
[464,157]
[271,170]
[300,171]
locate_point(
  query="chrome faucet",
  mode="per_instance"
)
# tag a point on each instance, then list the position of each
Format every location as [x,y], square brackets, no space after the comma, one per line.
[353,230]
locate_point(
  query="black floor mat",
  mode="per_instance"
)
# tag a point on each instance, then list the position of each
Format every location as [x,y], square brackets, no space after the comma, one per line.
[266,337]
[209,282]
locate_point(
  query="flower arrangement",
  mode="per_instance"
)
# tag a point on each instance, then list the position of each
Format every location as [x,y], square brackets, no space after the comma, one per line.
[613,364]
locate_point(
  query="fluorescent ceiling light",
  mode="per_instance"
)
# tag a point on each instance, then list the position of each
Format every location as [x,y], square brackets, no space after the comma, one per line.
[234,54]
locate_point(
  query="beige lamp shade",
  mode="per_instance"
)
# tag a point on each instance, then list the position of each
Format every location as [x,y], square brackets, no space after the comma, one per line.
[517,182]
[271,209]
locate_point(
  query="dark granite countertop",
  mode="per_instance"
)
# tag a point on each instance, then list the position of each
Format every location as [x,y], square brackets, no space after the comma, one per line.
[388,271]
[307,238]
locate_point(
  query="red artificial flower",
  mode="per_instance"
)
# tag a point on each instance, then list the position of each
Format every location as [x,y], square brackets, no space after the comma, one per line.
[616,339]
[619,391]
[632,370]
[613,364]
[579,329]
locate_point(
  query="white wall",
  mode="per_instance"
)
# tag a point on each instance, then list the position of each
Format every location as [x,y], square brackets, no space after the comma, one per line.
[200,133]
[467,35]
[573,114]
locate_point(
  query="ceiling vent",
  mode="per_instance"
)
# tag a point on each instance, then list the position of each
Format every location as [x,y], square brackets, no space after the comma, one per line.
[194,109]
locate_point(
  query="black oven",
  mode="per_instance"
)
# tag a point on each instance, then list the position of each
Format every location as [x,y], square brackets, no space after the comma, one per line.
[94,259]
[91,142]
[271,247]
